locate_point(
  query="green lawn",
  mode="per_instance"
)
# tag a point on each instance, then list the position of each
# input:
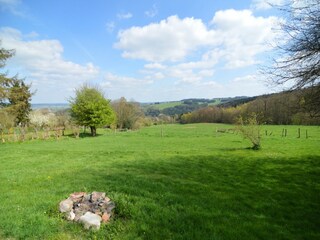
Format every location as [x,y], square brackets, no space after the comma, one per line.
[192,183]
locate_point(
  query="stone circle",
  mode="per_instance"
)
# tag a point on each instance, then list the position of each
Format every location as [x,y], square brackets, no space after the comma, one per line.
[90,209]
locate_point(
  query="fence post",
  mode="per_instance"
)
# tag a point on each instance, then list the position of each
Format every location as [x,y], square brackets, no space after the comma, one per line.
[307,134]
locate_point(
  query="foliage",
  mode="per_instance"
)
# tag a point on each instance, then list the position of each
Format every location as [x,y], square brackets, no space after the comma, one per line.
[5,55]
[281,108]
[127,113]
[90,108]
[19,98]
[6,120]
[190,184]
[15,95]
[250,129]
[178,108]
[42,118]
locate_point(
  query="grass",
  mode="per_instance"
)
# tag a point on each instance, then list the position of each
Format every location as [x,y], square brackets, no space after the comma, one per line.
[164,105]
[192,183]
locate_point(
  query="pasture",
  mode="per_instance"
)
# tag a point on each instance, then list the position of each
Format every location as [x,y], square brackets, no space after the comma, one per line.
[190,183]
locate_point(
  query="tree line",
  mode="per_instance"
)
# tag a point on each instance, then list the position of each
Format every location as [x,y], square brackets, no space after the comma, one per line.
[282,108]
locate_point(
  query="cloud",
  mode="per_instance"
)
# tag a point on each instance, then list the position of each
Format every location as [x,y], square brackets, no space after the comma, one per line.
[154,66]
[152,12]
[42,62]
[266,4]
[117,86]
[124,15]
[243,36]
[124,81]
[110,26]
[248,85]
[13,6]
[236,36]
[170,40]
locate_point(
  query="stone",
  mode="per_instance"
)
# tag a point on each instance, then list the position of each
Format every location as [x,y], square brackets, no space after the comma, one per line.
[87,197]
[77,196]
[90,209]
[71,215]
[66,205]
[96,196]
[110,207]
[105,217]
[90,220]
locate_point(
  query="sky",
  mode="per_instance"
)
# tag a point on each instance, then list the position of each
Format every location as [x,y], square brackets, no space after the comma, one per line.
[142,50]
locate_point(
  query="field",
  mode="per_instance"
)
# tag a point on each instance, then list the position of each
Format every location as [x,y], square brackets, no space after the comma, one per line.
[189,183]
[164,105]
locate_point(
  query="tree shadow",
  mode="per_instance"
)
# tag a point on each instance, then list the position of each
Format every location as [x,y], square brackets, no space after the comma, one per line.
[205,196]
[83,135]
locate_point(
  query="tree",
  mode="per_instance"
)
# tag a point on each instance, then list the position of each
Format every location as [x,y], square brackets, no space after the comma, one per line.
[128,113]
[15,95]
[4,81]
[299,60]
[90,108]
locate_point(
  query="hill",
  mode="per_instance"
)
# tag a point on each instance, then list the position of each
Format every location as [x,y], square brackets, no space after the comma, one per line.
[188,105]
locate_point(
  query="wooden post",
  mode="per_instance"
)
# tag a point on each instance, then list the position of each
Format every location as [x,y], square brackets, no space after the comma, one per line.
[266,132]
[285,132]
[307,134]
[298,132]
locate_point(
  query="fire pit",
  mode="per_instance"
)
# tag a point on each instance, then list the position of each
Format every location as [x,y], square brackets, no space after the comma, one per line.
[90,209]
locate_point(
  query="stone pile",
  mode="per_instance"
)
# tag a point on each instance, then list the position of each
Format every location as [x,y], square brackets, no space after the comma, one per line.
[90,209]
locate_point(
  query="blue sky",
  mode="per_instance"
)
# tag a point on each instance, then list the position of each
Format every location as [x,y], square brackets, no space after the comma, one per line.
[143,50]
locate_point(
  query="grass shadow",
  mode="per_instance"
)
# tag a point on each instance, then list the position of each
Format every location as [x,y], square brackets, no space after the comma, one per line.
[83,135]
[201,197]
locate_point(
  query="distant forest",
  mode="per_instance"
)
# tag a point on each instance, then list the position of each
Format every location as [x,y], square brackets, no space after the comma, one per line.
[290,107]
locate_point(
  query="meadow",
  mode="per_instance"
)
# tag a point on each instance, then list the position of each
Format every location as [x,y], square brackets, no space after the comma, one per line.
[168,182]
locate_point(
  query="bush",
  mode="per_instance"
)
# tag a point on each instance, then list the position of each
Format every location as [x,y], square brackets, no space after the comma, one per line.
[250,129]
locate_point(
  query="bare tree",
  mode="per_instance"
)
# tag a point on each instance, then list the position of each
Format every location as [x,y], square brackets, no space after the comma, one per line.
[298,62]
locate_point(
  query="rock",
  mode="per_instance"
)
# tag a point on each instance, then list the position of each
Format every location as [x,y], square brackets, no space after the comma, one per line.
[71,215]
[87,197]
[78,214]
[90,220]
[89,209]
[80,211]
[77,196]
[96,196]
[110,207]
[105,217]
[66,205]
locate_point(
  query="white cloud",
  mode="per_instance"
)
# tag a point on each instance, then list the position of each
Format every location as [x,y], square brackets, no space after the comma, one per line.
[234,36]
[152,12]
[124,15]
[170,40]
[243,35]
[41,61]
[13,6]
[9,2]
[124,81]
[248,85]
[266,4]
[154,66]
[110,26]
[118,86]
